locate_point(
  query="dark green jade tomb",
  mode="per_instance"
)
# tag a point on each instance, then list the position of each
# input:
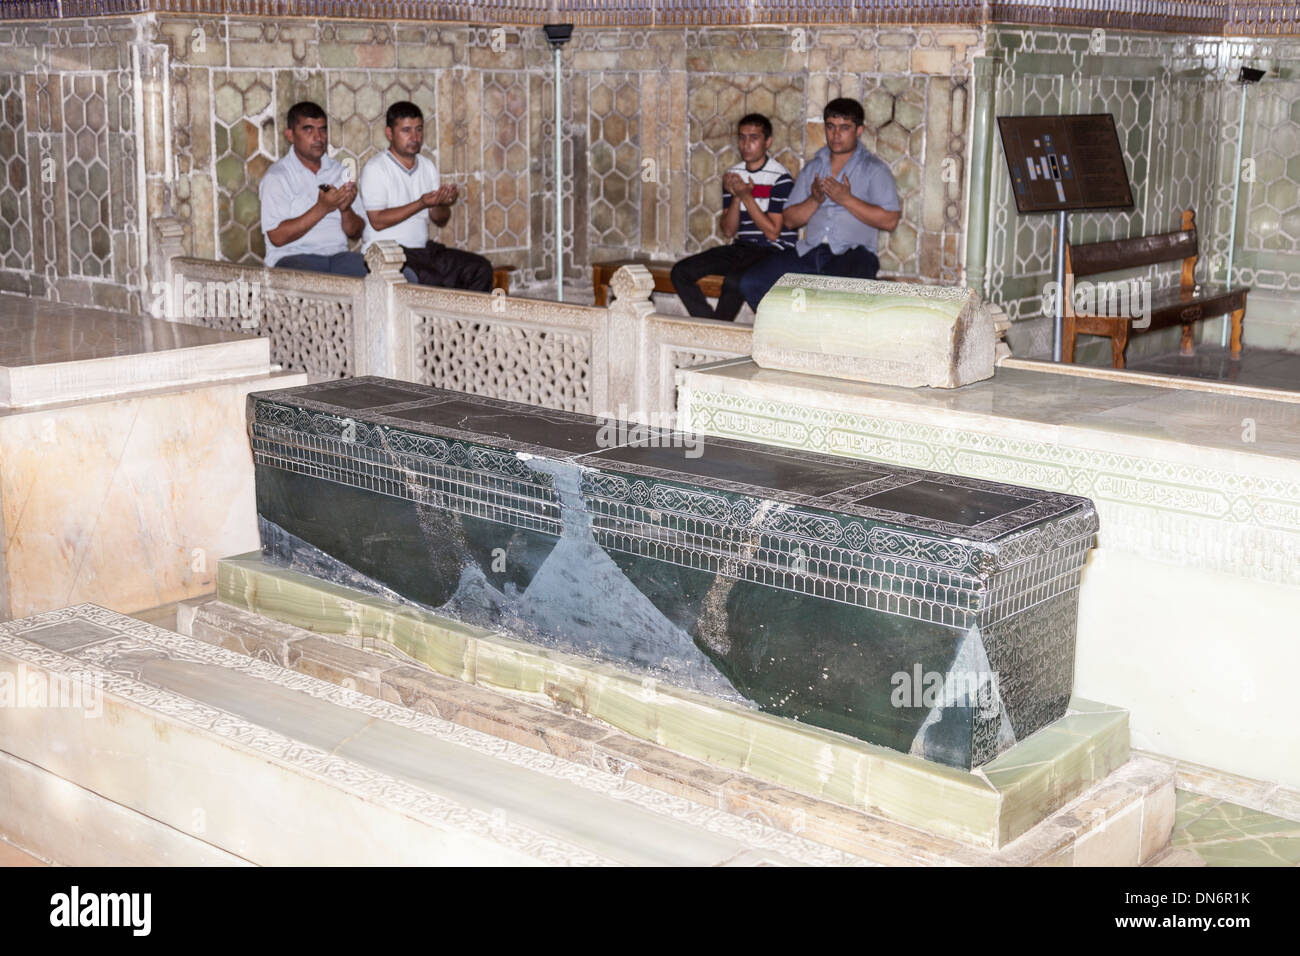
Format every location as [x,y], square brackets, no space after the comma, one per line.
[927,613]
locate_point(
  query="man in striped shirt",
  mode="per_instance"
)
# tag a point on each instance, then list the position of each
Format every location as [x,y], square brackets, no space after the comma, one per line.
[754,192]
[844,196]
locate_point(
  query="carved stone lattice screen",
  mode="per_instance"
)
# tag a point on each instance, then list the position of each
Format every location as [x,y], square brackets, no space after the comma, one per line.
[308,333]
[311,328]
[675,359]
[538,365]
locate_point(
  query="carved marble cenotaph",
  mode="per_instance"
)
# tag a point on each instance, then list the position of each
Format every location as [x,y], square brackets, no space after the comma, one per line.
[931,614]
[894,333]
[124,473]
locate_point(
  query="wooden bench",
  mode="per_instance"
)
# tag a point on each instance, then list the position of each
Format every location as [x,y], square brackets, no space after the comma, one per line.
[602,272]
[501,278]
[1185,305]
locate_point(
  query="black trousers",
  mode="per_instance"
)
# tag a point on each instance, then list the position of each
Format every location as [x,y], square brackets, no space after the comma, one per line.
[448,268]
[730,262]
[858,262]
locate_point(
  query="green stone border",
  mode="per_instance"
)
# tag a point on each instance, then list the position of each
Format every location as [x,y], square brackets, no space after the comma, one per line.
[988,808]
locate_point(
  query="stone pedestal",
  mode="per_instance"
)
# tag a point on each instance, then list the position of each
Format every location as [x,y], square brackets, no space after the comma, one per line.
[1069,795]
[124,467]
[931,615]
[1187,607]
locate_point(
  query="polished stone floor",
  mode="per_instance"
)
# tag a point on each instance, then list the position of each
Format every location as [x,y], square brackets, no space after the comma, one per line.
[1227,834]
[1219,832]
[1263,368]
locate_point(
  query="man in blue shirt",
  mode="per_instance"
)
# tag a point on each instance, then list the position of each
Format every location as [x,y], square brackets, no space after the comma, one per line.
[843,196]
[760,186]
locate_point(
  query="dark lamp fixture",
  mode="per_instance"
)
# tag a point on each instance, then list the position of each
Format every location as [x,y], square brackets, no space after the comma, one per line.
[557,34]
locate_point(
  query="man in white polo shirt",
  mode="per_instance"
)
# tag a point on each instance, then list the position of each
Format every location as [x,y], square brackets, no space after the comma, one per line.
[397,186]
[310,208]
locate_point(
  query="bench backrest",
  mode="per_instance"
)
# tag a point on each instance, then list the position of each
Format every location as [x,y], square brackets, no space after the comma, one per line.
[1096,257]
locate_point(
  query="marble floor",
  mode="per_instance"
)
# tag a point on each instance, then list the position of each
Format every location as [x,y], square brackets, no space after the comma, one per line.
[1264,368]
[1222,834]
[10,855]
[1219,832]
[1227,834]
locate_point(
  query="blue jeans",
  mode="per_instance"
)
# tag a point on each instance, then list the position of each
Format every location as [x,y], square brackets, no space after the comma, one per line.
[856,263]
[339,264]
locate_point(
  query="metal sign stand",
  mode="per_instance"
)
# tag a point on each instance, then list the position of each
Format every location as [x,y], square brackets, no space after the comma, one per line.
[1058,321]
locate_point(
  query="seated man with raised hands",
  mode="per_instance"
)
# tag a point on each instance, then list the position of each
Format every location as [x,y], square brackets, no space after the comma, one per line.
[397,186]
[310,207]
[754,193]
[843,197]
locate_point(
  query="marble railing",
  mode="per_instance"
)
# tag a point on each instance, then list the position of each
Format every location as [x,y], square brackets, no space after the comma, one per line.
[621,360]
[310,319]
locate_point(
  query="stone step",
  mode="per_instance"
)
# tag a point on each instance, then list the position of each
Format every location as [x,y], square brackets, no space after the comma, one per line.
[173,750]
[1121,820]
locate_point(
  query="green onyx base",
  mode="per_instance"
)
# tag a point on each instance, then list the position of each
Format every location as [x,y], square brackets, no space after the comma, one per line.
[986,808]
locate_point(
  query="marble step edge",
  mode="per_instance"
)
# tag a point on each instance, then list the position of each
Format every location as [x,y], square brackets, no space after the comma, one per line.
[146,729]
[989,808]
[1263,795]
[35,386]
[535,721]
[1133,376]
[268,378]
[89,829]
[250,791]
[739,398]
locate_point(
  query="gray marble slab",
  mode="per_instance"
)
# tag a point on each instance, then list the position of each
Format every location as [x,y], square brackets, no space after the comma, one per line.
[56,352]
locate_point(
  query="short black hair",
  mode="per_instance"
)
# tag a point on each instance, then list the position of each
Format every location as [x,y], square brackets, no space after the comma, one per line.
[756,119]
[402,109]
[301,111]
[844,108]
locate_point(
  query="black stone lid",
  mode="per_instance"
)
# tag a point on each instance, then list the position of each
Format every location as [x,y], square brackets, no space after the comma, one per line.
[823,522]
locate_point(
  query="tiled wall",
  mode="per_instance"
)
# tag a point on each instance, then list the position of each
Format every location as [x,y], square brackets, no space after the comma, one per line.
[649,127]
[1268,220]
[71,215]
[1175,109]
[1154,87]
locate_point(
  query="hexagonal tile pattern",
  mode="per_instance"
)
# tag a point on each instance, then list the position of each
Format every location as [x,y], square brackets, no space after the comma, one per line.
[504,134]
[894,129]
[1272,137]
[614,193]
[245,141]
[15,190]
[86,174]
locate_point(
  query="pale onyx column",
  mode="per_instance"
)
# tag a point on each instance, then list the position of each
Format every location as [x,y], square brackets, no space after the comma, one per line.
[154,136]
[380,347]
[626,360]
[984,83]
[166,242]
